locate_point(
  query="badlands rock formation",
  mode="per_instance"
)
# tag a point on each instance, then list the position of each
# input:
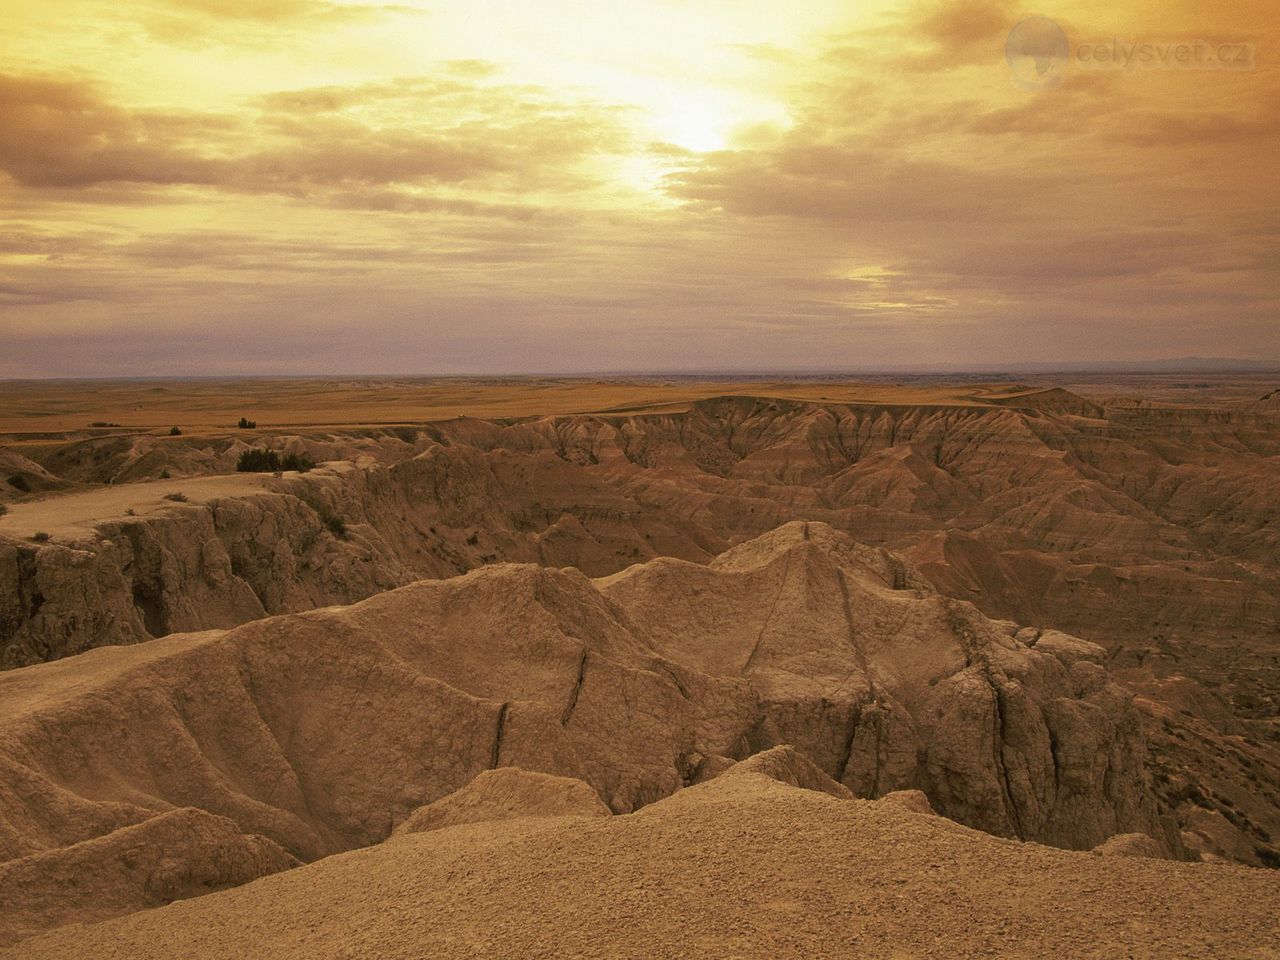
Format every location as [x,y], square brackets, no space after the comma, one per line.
[1145,526]
[504,793]
[321,732]
[214,561]
[740,866]
[172,856]
[1150,529]
[1042,513]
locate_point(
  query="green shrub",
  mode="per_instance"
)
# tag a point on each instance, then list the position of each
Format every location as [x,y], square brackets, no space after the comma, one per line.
[268,461]
[175,431]
[19,482]
[258,461]
[247,424]
[40,537]
[337,526]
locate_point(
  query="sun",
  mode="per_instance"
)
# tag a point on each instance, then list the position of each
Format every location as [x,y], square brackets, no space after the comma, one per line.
[701,127]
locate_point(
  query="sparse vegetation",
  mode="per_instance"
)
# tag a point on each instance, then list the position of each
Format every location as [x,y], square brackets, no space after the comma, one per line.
[247,424]
[40,537]
[336,525]
[176,497]
[175,431]
[3,509]
[258,461]
[268,461]
[19,482]
[103,423]
[164,474]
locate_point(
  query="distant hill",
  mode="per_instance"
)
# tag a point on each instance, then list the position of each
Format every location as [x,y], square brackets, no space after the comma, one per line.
[1175,365]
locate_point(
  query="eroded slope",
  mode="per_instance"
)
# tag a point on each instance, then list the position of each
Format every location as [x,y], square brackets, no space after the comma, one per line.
[743,866]
[1152,529]
[320,732]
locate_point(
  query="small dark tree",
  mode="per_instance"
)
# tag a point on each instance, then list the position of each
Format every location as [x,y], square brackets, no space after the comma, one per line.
[247,424]
[268,461]
[175,431]
[258,461]
[296,461]
[40,537]
[337,526]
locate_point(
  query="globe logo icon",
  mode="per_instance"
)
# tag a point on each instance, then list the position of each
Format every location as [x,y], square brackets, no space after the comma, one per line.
[1037,52]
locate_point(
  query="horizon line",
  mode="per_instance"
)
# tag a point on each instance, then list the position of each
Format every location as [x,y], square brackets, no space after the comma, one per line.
[1188,365]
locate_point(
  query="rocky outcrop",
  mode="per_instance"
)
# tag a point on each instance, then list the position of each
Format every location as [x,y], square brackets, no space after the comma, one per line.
[172,856]
[505,793]
[20,476]
[56,601]
[914,801]
[888,685]
[740,866]
[1151,529]
[118,456]
[788,765]
[1147,528]
[322,731]
[192,567]
[1130,845]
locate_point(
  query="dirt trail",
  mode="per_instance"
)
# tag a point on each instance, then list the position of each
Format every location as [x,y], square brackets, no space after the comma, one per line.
[74,515]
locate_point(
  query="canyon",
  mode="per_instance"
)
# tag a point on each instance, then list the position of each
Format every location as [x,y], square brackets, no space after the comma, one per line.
[1053,613]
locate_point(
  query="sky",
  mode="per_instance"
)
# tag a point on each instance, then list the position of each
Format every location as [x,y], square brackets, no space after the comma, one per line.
[210,187]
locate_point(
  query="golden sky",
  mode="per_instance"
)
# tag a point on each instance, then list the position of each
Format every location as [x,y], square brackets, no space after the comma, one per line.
[438,186]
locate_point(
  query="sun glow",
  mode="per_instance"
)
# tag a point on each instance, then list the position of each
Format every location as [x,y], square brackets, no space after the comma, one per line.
[694,126]
[552,182]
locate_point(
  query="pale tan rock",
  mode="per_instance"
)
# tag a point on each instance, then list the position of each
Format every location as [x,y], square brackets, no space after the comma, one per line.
[914,801]
[742,865]
[323,730]
[171,856]
[505,793]
[1130,845]
[788,765]
[888,688]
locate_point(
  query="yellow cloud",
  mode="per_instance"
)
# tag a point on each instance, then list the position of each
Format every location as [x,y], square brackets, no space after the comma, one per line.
[583,185]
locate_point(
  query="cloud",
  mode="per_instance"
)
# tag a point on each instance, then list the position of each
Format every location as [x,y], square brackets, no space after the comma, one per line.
[278,11]
[1207,128]
[905,202]
[205,23]
[845,183]
[959,201]
[959,32]
[930,36]
[57,133]
[417,132]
